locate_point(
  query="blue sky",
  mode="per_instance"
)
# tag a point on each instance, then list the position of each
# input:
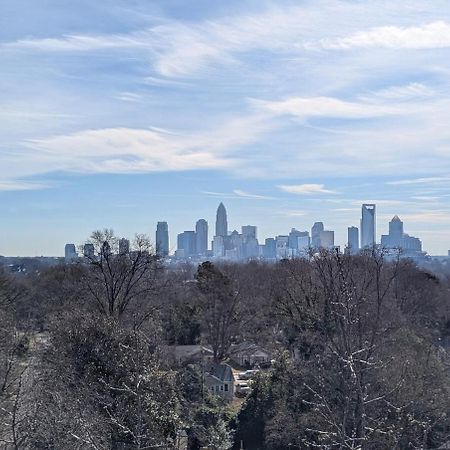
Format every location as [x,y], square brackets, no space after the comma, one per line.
[122,113]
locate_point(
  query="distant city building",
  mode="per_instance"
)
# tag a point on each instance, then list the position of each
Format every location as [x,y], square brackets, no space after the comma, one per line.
[162,238]
[270,248]
[186,244]
[398,239]
[282,247]
[249,232]
[303,245]
[316,229]
[218,247]
[201,234]
[124,246]
[221,221]
[293,238]
[88,251]
[353,240]
[70,253]
[368,225]
[327,239]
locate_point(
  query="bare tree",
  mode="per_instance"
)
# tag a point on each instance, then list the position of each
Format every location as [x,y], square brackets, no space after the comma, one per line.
[219,301]
[115,280]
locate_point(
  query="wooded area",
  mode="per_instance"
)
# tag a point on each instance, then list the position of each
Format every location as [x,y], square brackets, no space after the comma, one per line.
[360,344]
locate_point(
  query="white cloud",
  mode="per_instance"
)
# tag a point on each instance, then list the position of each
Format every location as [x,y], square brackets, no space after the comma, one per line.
[426,180]
[328,107]
[406,92]
[306,189]
[427,36]
[17,185]
[244,194]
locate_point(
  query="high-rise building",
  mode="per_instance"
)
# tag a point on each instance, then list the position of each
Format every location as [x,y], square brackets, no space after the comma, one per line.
[399,240]
[70,253]
[218,246]
[88,251]
[249,232]
[316,229]
[124,246]
[221,221]
[186,243]
[353,240]
[396,231]
[293,238]
[368,225]
[162,239]
[201,235]
[270,248]
[327,239]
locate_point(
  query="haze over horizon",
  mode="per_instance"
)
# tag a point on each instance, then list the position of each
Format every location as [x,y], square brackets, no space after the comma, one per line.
[123,113]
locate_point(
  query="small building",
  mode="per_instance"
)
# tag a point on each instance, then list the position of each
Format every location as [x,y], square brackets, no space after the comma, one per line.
[219,380]
[249,354]
[191,354]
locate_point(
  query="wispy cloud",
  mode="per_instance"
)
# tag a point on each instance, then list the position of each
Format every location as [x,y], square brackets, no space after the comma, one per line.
[426,36]
[17,185]
[248,195]
[306,189]
[328,107]
[425,180]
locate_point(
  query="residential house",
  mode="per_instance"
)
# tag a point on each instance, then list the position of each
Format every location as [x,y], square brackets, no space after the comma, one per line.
[219,379]
[249,354]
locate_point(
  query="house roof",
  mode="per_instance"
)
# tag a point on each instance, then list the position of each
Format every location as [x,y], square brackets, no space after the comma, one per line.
[188,351]
[222,372]
[248,348]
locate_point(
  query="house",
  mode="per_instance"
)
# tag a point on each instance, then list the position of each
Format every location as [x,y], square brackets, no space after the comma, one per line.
[191,354]
[219,379]
[249,354]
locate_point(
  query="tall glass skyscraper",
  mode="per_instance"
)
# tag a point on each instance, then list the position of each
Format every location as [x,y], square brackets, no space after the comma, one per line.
[201,236]
[162,239]
[221,221]
[353,240]
[368,225]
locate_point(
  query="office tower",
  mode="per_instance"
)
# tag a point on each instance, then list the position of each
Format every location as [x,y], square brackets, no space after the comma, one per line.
[353,240]
[124,246]
[248,232]
[327,239]
[218,246]
[282,247]
[270,248]
[395,231]
[88,251]
[368,225]
[303,244]
[316,229]
[221,221]
[293,238]
[201,234]
[70,253]
[186,243]
[162,239]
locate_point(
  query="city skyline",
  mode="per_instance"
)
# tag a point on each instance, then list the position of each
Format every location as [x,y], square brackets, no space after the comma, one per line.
[294,111]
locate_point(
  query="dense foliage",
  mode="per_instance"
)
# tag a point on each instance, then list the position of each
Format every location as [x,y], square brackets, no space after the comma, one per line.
[360,346]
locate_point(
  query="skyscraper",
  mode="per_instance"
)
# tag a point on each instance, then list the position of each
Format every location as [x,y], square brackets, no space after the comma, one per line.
[186,243]
[162,239]
[124,246]
[353,240]
[70,253]
[201,235]
[396,231]
[248,232]
[327,239]
[316,229]
[221,221]
[368,225]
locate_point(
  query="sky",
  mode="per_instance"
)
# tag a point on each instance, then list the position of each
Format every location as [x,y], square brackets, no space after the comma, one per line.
[122,113]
